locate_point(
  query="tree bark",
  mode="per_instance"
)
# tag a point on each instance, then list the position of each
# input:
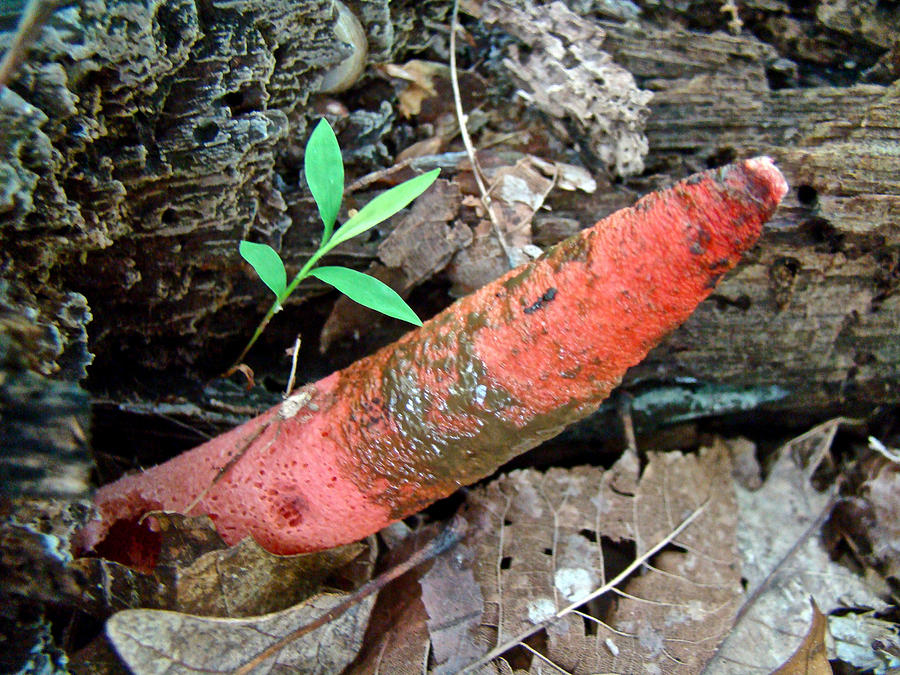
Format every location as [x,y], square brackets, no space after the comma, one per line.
[140,143]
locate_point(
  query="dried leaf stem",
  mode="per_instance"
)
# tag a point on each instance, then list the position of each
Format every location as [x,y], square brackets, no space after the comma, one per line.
[444,541]
[814,527]
[467,141]
[624,574]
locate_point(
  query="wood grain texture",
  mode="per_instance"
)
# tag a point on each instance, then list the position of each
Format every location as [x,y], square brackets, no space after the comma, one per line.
[139,144]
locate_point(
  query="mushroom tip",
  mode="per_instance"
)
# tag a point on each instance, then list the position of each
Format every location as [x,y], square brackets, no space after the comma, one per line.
[765,167]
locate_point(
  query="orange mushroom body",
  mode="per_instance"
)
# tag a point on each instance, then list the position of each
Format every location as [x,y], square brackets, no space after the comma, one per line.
[493,375]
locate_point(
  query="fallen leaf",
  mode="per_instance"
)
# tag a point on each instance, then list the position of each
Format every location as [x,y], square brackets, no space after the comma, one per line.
[867,516]
[747,471]
[866,642]
[420,77]
[455,605]
[246,580]
[424,241]
[810,658]
[154,641]
[397,640]
[516,193]
[397,637]
[544,540]
[568,176]
[429,146]
[784,561]
[195,572]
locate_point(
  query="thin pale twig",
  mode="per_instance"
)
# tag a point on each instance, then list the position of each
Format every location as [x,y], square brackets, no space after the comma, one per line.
[467,141]
[545,659]
[623,408]
[292,379]
[34,16]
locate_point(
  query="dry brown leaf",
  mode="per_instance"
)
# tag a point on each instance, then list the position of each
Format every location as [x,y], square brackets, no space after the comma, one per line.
[866,642]
[197,573]
[397,638]
[420,77]
[882,491]
[544,540]
[454,604]
[784,562]
[516,193]
[247,580]
[811,657]
[157,641]
[424,241]
[868,515]
[572,177]
[429,146]
[747,471]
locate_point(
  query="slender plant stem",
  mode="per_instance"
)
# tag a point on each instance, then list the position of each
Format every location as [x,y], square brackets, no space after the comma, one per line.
[467,141]
[276,306]
[34,16]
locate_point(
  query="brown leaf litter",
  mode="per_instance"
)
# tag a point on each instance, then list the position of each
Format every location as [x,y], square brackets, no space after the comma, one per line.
[785,562]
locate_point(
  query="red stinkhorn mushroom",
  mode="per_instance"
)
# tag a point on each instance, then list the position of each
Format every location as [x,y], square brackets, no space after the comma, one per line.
[493,375]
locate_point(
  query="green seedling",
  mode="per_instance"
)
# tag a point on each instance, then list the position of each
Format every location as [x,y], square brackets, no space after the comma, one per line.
[325,176]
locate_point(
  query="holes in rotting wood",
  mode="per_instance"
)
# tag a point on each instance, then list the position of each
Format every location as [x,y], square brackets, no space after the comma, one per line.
[863,358]
[206,133]
[244,100]
[807,195]
[782,74]
[169,217]
[723,302]
[887,276]
[782,277]
[721,157]
[823,232]
[505,562]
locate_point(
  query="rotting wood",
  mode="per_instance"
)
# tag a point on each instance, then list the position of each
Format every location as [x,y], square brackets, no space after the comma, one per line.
[161,276]
[814,309]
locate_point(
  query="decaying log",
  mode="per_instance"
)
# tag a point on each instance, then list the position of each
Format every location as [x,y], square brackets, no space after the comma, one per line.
[815,311]
[140,142]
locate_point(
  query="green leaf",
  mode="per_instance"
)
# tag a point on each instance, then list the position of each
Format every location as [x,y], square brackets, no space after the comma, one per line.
[383,207]
[267,264]
[324,171]
[368,291]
